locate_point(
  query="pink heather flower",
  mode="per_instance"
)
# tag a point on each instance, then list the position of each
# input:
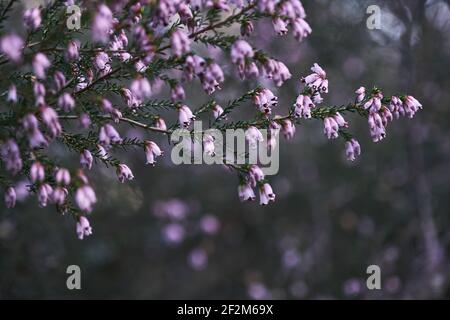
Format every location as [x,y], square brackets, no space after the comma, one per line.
[396,107]
[66,102]
[12,94]
[300,29]
[152,151]
[211,78]
[141,88]
[32,18]
[108,134]
[264,99]
[247,28]
[266,194]
[36,138]
[180,43]
[374,104]
[249,70]
[352,149]
[130,99]
[288,128]
[44,194]
[386,116]
[303,106]
[377,129]
[124,173]
[86,159]
[11,45]
[102,153]
[267,6]
[59,195]
[160,124]
[361,94]
[411,106]
[102,24]
[253,136]
[101,62]
[39,93]
[245,192]
[277,71]
[84,229]
[255,174]
[217,111]
[317,80]
[40,65]
[60,80]
[62,176]
[140,66]
[208,145]
[330,128]
[10,155]
[177,93]
[50,119]
[240,51]
[340,120]
[279,26]
[185,13]
[185,116]
[193,65]
[72,53]
[10,197]
[85,198]
[37,172]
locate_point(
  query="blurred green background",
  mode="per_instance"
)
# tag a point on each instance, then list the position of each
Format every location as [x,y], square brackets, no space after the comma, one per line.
[180,232]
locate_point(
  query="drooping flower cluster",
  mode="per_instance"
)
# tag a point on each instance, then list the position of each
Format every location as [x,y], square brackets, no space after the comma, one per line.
[83,93]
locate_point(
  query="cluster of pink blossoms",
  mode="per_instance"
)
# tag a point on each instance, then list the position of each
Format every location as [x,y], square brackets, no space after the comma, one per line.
[145,41]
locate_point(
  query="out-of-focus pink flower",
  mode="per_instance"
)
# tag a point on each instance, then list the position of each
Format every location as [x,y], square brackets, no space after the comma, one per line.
[72,53]
[11,45]
[102,24]
[66,102]
[210,224]
[32,18]
[62,176]
[253,136]
[86,159]
[287,128]
[352,149]
[177,93]
[37,172]
[180,43]
[330,128]
[10,155]
[10,197]
[50,119]
[198,259]
[85,198]
[40,65]
[12,94]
